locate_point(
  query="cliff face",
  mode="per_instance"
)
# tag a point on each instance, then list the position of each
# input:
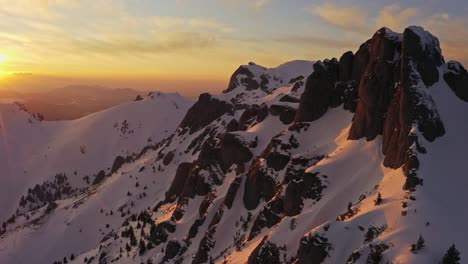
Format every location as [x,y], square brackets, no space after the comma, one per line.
[391,73]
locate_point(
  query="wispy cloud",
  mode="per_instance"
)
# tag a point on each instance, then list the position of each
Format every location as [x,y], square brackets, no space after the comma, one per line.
[353,18]
[252,4]
[313,41]
[396,17]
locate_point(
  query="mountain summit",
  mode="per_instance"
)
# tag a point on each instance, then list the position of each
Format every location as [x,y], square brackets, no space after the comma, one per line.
[359,159]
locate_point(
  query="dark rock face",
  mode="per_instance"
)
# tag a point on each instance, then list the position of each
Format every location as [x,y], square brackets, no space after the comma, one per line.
[204,111]
[276,154]
[456,77]
[289,99]
[234,150]
[332,84]
[315,100]
[309,187]
[177,185]
[172,250]
[270,215]
[262,113]
[285,113]
[425,51]
[265,252]
[313,249]
[394,96]
[242,76]
[252,114]
[412,103]
[248,117]
[376,87]
[346,66]
[360,60]
[258,185]
[231,193]
[232,126]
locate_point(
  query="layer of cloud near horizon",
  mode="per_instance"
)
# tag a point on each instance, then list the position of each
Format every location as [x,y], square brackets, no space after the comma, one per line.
[206,38]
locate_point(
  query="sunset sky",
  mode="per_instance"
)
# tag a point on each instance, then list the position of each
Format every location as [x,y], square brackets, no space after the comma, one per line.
[194,45]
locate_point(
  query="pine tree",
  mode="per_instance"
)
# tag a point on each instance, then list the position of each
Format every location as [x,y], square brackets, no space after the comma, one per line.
[149,245]
[133,241]
[72,257]
[452,256]
[292,224]
[127,247]
[420,244]
[378,201]
[142,247]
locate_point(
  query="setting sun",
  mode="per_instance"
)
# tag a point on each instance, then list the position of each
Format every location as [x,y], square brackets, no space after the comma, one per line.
[3,58]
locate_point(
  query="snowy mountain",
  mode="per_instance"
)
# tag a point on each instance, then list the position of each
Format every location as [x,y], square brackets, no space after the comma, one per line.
[356,160]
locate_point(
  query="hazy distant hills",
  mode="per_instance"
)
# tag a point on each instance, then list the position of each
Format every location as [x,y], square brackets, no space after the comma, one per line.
[72,101]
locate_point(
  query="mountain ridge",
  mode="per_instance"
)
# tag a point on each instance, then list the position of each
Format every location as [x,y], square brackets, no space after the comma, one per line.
[286,166]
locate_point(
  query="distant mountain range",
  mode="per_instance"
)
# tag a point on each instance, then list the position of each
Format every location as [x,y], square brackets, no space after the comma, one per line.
[360,159]
[71,102]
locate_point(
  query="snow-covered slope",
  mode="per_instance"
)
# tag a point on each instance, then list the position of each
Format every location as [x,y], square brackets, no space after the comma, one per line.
[33,151]
[338,161]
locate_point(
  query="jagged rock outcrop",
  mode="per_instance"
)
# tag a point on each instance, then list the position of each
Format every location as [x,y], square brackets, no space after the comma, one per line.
[319,87]
[232,126]
[207,170]
[332,84]
[235,149]
[286,113]
[177,185]
[252,114]
[360,61]
[204,111]
[313,249]
[345,67]
[456,77]
[412,104]
[393,91]
[376,86]
[258,185]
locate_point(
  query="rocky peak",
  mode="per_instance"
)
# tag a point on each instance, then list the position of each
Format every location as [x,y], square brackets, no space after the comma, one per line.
[376,85]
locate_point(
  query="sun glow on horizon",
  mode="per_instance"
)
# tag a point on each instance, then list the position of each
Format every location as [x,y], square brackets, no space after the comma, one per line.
[3,58]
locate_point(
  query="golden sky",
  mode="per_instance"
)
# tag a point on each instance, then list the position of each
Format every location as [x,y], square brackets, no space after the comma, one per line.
[194,45]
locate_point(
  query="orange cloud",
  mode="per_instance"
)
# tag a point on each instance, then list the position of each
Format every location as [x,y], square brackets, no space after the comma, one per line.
[344,17]
[396,17]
